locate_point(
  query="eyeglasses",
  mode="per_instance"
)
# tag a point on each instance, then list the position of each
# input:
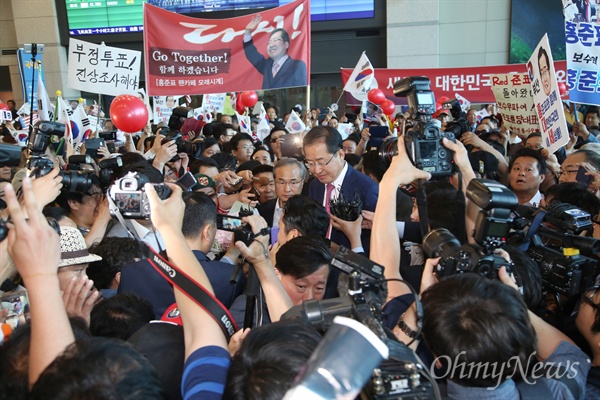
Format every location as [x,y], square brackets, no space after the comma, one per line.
[567,172]
[275,140]
[588,297]
[312,164]
[544,71]
[292,184]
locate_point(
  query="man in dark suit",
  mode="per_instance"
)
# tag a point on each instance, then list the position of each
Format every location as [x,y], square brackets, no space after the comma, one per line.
[324,157]
[199,228]
[279,70]
[289,179]
[325,160]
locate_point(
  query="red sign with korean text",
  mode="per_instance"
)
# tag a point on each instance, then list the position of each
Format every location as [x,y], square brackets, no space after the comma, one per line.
[473,83]
[186,55]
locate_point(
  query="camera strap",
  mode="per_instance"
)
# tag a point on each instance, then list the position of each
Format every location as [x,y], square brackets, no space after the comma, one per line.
[183,282]
[421,197]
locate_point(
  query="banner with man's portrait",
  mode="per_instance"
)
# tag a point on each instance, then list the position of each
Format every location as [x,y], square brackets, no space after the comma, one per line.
[266,50]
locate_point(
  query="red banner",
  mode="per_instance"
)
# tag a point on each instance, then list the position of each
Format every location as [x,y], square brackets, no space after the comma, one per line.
[473,83]
[186,55]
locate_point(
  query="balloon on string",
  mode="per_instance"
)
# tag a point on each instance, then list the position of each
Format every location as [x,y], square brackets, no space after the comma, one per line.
[388,107]
[376,96]
[563,90]
[4,106]
[128,113]
[249,99]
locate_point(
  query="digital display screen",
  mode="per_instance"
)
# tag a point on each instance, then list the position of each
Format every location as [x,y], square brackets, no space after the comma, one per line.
[99,17]
[128,202]
[424,98]
[427,149]
[496,229]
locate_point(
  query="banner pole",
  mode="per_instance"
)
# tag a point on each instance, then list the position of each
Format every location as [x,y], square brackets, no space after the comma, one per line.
[308,99]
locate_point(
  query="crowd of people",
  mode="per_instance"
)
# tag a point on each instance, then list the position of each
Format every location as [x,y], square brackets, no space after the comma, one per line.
[107,322]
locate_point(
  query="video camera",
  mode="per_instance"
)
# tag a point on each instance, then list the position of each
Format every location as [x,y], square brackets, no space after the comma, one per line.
[40,165]
[570,266]
[403,375]
[491,232]
[424,140]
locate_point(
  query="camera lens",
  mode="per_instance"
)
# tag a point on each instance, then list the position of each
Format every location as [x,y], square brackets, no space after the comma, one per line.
[75,181]
[388,149]
[440,243]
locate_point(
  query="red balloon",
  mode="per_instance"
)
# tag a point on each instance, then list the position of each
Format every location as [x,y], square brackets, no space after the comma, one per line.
[4,106]
[388,107]
[239,105]
[128,113]
[376,96]
[443,99]
[249,99]
[562,89]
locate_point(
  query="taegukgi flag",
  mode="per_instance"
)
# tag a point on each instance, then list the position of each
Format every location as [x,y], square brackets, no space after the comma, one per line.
[362,78]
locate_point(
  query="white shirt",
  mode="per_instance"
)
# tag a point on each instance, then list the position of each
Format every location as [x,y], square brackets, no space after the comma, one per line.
[277,213]
[337,185]
[535,200]
[148,237]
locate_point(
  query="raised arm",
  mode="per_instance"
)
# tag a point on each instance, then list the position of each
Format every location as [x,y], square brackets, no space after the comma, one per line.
[278,301]
[199,328]
[385,243]
[34,248]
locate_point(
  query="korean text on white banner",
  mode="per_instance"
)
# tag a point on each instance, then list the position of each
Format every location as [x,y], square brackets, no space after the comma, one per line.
[103,69]
[214,102]
[583,61]
[515,102]
[546,97]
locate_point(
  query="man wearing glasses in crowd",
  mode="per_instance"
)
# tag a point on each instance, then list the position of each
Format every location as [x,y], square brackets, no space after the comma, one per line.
[324,158]
[289,179]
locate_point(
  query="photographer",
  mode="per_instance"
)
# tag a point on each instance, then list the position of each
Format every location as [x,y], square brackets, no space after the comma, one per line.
[470,320]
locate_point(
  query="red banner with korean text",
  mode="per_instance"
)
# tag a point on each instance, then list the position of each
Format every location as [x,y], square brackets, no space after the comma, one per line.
[473,83]
[186,55]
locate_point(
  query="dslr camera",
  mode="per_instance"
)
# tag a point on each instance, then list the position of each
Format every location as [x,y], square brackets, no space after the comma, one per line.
[424,140]
[129,197]
[491,231]
[73,180]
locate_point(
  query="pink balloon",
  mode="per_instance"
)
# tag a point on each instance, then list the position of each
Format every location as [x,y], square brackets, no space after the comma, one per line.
[128,113]
[376,96]
[388,107]
[249,99]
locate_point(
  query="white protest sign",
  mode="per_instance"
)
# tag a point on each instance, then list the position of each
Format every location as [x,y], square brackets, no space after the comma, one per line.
[163,107]
[546,97]
[214,102]
[515,102]
[345,130]
[103,69]
[5,115]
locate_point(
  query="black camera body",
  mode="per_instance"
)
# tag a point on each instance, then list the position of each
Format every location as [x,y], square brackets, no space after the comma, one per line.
[424,140]
[72,181]
[570,266]
[426,151]
[44,132]
[241,231]
[402,375]
[566,275]
[129,197]
[491,231]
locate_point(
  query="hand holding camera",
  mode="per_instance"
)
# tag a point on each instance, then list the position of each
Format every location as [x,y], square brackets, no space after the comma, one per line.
[166,214]
[402,170]
[252,251]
